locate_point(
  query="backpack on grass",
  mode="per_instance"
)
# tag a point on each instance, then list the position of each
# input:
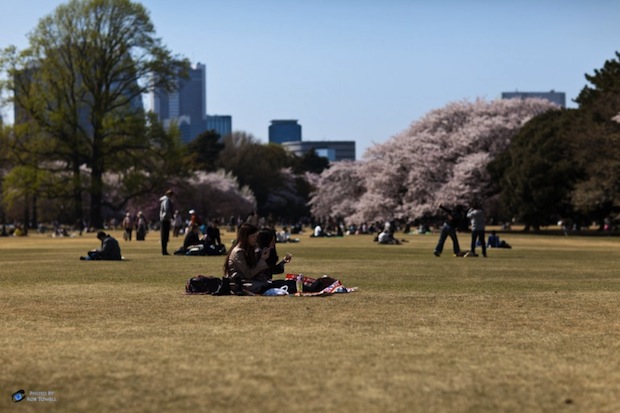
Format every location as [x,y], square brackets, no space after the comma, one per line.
[202,284]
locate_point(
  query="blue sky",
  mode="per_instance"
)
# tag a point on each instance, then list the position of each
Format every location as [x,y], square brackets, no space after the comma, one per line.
[364,70]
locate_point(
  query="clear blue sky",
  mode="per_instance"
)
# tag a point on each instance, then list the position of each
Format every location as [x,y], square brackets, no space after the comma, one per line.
[364,70]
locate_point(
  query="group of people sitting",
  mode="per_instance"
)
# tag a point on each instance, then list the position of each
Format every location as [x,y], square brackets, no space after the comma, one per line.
[250,265]
[387,236]
[195,243]
[253,261]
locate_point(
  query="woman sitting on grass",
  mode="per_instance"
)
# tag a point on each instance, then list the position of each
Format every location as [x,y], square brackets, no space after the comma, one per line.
[242,266]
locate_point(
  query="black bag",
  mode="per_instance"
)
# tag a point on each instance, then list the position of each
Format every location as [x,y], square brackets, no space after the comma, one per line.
[201,284]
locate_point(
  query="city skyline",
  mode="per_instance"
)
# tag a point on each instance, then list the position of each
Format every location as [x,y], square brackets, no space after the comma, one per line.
[365,70]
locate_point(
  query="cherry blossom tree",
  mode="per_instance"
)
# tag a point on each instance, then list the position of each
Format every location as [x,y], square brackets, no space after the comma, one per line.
[217,194]
[441,158]
[212,194]
[338,189]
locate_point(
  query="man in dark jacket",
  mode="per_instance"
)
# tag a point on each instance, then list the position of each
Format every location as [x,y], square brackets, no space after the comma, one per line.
[110,249]
[449,228]
[166,210]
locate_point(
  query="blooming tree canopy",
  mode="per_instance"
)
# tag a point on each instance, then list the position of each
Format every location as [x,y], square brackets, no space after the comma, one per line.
[337,190]
[218,195]
[441,158]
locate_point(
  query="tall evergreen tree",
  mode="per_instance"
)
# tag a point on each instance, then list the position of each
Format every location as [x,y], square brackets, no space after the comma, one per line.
[538,172]
[597,145]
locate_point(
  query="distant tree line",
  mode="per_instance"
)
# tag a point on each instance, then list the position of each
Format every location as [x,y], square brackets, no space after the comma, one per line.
[82,150]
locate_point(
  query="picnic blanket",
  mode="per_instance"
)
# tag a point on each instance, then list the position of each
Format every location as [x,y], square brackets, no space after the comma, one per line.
[313,287]
[325,285]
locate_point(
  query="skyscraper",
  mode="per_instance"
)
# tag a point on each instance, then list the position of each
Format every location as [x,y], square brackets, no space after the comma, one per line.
[222,124]
[187,106]
[281,131]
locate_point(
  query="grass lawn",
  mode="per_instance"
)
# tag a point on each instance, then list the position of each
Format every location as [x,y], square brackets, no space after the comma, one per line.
[532,329]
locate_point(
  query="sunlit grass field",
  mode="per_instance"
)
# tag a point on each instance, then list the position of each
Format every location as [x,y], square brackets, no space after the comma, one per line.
[532,329]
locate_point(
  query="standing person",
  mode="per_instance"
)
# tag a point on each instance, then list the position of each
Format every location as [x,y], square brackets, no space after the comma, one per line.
[242,266]
[80,225]
[141,227]
[253,218]
[127,227]
[449,230]
[166,209]
[477,219]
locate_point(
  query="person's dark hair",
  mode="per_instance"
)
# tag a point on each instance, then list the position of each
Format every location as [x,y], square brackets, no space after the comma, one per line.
[243,235]
[101,235]
[264,238]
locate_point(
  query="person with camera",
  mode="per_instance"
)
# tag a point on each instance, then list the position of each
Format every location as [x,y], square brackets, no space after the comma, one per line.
[454,218]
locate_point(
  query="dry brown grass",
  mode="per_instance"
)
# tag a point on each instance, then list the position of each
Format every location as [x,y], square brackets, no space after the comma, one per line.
[533,329]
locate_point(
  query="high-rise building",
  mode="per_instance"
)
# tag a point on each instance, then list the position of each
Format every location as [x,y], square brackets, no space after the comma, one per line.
[281,131]
[222,124]
[187,106]
[559,98]
[332,150]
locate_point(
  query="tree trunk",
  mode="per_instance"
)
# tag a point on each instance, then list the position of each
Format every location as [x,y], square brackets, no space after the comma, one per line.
[35,215]
[96,186]
[26,214]
[77,192]
[96,197]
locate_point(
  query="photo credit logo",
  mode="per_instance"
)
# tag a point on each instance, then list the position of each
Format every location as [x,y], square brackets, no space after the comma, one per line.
[18,396]
[34,396]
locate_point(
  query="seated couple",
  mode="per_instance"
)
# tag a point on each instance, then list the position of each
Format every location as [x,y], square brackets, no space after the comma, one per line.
[251,263]
[195,244]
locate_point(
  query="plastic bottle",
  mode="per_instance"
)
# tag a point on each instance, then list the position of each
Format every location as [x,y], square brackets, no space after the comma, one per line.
[299,284]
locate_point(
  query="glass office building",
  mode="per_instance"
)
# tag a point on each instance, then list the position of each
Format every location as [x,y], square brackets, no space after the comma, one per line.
[281,131]
[187,106]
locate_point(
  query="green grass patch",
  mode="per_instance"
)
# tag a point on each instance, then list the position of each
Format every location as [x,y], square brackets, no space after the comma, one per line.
[532,329]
